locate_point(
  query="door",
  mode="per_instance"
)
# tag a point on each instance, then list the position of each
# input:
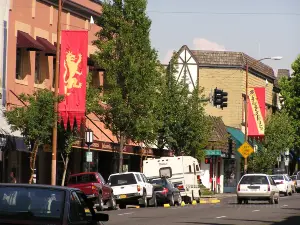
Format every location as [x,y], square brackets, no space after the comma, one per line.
[106,190]
[79,212]
[149,187]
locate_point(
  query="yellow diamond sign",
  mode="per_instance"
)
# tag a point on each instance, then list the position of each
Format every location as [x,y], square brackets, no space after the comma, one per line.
[246,149]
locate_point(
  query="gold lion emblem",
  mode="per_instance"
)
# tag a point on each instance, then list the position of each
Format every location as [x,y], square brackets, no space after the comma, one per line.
[71,66]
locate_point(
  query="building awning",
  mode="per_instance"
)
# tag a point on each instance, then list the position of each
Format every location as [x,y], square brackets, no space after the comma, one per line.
[237,134]
[24,40]
[50,49]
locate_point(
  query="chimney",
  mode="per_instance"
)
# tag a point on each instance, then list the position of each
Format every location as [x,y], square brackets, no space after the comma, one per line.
[283,73]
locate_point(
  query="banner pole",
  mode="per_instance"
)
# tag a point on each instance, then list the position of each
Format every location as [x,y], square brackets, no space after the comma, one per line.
[54,136]
[246,119]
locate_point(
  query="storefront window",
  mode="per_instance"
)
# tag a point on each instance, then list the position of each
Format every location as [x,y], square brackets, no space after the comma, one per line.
[229,173]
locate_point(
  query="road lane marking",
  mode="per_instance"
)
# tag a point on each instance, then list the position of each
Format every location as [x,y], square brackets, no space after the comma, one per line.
[285,206]
[122,214]
[220,217]
[257,210]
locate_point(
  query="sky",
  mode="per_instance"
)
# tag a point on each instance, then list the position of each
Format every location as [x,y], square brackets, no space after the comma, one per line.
[259,28]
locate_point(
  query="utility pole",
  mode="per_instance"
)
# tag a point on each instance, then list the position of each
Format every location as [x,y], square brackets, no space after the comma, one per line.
[54,134]
[246,118]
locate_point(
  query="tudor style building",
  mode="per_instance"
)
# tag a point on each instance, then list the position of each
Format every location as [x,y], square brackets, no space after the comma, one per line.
[227,71]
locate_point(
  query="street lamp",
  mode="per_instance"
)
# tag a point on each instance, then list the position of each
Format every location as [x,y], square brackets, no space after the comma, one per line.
[89,139]
[246,104]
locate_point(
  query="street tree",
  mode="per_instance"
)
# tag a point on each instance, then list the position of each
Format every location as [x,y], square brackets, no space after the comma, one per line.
[185,128]
[70,137]
[290,90]
[34,121]
[279,135]
[131,74]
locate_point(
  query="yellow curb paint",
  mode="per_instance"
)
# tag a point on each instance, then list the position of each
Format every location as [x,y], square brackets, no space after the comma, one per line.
[203,201]
[194,202]
[215,201]
[137,207]
[167,206]
[182,203]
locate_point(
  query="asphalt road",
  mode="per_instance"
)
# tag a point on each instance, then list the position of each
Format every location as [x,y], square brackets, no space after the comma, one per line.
[287,212]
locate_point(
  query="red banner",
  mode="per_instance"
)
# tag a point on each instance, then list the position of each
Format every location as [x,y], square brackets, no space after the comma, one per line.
[73,73]
[256,112]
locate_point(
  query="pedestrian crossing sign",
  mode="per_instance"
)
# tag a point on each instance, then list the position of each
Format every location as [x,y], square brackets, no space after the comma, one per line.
[246,149]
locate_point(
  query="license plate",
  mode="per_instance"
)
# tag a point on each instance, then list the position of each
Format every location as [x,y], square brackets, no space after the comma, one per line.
[123,196]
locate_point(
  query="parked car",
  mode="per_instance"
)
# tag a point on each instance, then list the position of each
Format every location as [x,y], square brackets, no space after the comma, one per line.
[132,188]
[166,192]
[257,187]
[94,186]
[283,184]
[297,174]
[294,179]
[291,182]
[45,204]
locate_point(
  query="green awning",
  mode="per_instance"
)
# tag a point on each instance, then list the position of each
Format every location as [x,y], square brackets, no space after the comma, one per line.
[213,152]
[237,135]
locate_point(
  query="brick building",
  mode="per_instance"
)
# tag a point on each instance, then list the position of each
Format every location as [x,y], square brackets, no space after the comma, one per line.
[227,70]
[32,27]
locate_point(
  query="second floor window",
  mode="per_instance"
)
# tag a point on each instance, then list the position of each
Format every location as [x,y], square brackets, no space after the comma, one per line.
[19,64]
[37,68]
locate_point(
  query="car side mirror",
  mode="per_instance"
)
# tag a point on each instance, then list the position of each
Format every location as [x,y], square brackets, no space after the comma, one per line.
[101,217]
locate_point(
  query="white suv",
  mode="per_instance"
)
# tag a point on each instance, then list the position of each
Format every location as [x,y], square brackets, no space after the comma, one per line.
[132,188]
[257,187]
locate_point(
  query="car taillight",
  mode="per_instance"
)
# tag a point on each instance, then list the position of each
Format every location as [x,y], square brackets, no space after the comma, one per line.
[94,187]
[269,188]
[239,187]
[165,191]
[180,187]
[281,182]
[138,188]
[198,177]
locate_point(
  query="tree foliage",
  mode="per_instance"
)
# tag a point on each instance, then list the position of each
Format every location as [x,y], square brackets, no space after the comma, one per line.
[279,135]
[131,74]
[34,121]
[290,90]
[184,127]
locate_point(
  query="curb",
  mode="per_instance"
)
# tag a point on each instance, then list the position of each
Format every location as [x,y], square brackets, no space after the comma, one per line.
[167,206]
[210,201]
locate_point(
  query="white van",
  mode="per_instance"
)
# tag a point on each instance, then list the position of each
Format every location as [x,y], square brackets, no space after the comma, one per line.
[185,174]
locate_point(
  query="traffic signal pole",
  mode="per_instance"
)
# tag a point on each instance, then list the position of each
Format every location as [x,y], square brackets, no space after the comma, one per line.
[246,119]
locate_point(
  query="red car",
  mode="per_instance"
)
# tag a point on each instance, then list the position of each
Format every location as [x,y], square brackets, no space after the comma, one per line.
[93,185]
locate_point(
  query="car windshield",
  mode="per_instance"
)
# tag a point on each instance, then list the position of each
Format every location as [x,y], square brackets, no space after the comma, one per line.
[277,177]
[122,179]
[254,180]
[84,178]
[161,182]
[31,203]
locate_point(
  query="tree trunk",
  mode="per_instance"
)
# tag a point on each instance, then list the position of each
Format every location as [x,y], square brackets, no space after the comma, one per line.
[122,140]
[66,162]
[32,160]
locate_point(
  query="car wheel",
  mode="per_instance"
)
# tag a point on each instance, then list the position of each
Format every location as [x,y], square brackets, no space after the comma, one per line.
[112,203]
[122,206]
[179,200]
[172,201]
[277,200]
[154,200]
[239,201]
[272,200]
[145,201]
[286,193]
[99,201]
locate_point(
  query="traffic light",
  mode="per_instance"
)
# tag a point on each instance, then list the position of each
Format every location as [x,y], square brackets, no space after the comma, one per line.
[207,160]
[220,98]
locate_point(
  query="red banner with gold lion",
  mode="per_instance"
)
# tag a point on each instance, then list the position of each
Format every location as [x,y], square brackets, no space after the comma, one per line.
[73,74]
[256,112]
